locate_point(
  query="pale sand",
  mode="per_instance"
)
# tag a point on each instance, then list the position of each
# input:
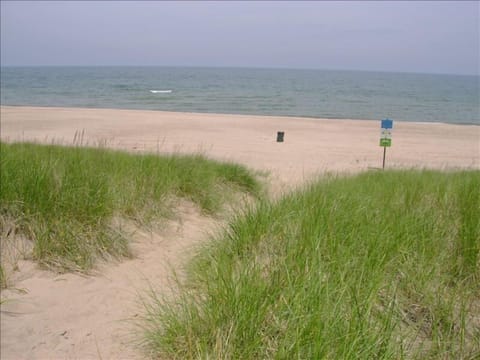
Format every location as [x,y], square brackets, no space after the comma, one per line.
[71,316]
[311,145]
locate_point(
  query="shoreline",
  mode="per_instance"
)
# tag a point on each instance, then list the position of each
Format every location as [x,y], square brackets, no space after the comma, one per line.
[236,114]
[312,147]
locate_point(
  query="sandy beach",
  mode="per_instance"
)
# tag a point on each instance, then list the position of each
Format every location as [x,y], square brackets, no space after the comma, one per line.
[46,315]
[311,146]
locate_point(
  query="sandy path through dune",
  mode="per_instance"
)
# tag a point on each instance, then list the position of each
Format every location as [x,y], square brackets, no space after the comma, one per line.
[76,317]
[71,316]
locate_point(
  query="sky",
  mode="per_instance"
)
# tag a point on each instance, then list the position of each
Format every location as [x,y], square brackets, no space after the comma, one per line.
[406,36]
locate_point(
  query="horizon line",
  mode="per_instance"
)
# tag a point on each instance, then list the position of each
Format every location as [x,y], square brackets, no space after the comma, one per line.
[244,67]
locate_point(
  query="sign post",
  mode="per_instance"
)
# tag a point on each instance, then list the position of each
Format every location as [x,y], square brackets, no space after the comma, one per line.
[386,137]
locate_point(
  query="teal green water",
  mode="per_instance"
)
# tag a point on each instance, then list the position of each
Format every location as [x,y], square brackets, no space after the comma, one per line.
[311,93]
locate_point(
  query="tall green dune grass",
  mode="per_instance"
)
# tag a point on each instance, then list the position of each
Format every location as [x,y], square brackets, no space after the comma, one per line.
[381,265]
[65,198]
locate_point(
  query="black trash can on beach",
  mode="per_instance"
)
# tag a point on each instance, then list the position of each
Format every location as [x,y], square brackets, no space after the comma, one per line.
[280,135]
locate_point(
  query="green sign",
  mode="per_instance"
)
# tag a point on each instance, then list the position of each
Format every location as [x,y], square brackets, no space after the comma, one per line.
[385,142]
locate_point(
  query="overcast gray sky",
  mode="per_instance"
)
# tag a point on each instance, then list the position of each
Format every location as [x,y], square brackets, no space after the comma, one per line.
[433,36]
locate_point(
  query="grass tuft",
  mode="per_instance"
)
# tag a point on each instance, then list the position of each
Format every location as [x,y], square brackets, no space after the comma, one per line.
[65,198]
[380,265]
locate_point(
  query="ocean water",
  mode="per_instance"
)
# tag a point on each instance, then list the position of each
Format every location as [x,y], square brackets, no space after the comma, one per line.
[310,93]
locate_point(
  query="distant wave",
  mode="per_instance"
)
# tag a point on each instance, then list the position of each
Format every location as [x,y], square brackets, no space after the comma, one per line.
[160,91]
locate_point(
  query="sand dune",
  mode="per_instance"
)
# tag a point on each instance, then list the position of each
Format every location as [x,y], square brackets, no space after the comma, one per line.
[77,317]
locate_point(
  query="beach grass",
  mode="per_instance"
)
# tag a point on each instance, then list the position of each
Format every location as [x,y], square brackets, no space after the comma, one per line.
[382,265]
[66,199]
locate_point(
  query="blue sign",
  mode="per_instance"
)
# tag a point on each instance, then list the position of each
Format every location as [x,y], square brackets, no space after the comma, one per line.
[387,124]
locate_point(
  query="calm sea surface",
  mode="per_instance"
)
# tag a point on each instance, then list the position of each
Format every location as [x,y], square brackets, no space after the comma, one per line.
[311,93]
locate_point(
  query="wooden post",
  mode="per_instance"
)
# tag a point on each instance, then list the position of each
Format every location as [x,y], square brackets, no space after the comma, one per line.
[384,152]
